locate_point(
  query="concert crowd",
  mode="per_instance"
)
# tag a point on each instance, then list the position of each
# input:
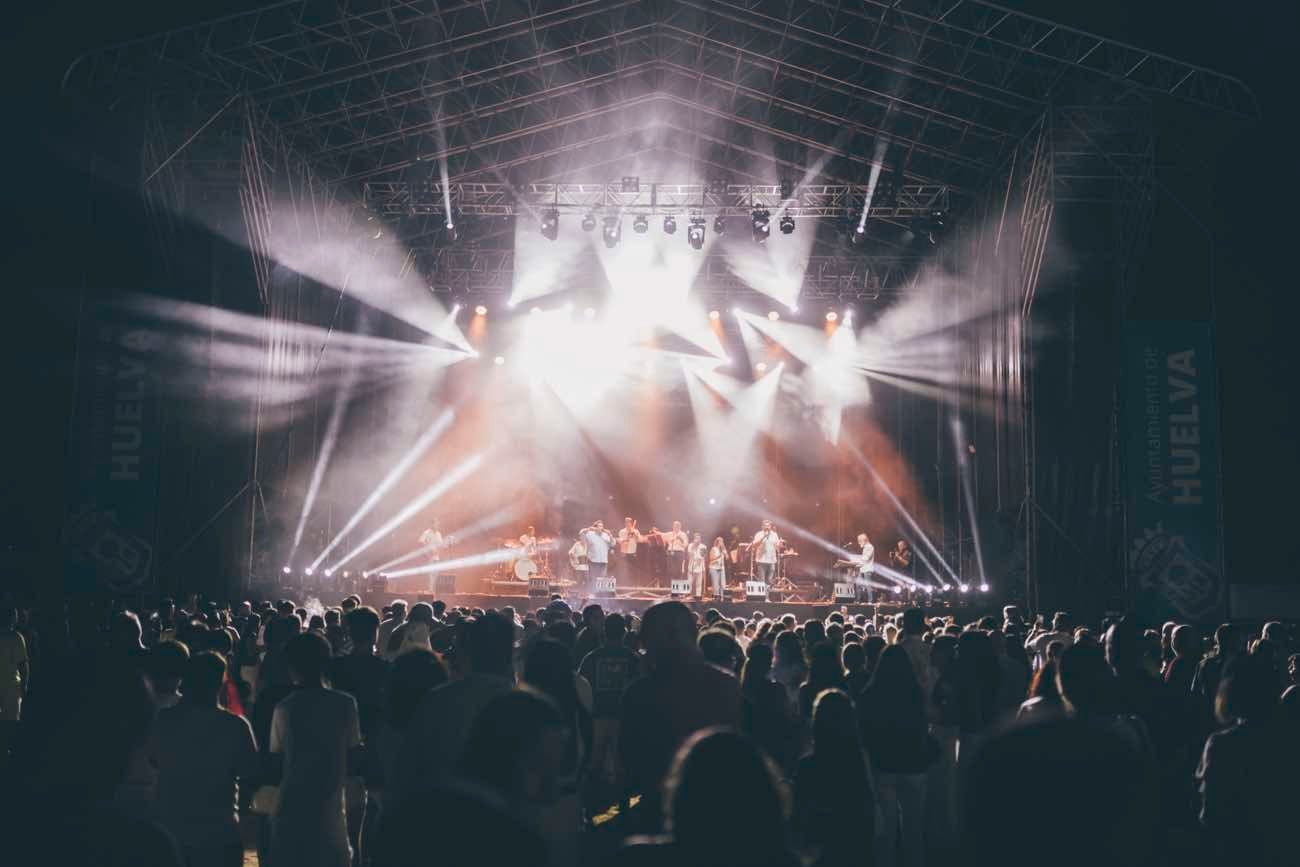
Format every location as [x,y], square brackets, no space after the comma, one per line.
[209,734]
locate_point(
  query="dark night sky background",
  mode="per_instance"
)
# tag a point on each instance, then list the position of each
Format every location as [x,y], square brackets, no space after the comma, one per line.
[1247,194]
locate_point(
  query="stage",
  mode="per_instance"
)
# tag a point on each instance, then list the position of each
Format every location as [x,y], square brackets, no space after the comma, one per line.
[637,600]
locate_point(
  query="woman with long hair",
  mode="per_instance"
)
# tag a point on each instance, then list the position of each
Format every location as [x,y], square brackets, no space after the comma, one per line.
[789,668]
[895,733]
[549,670]
[718,567]
[768,719]
[1043,697]
[724,806]
[824,672]
[834,806]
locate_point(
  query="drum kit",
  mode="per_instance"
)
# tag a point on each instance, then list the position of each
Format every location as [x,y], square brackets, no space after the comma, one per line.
[527,564]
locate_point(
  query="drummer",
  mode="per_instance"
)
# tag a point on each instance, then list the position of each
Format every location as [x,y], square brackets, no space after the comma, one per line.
[528,543]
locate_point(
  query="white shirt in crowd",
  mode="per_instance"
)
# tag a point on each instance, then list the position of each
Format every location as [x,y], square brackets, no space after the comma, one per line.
[203,754]
[766,540]
[314,729]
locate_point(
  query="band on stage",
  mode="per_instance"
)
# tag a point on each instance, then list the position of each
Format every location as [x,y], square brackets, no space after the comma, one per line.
[684,561]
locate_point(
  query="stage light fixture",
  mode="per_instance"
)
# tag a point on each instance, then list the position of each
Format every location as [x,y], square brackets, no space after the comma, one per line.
[286,570]
[695,233]
[550,224]
[481,310]
[933,227]
[761,367]
[309,571]
[719,225]
[714,315]
[498,361]
[773,315]
[858,235]
[787,224]
[670,224]
[963,588]
[832,316]
[612,232]
[588,222]
[787,188]
[640,224]
[347,574]
[984,588]
[453,232]
[762,225]
[329,573]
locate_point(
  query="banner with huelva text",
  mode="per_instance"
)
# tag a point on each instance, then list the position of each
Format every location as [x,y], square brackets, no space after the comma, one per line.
[1169,427]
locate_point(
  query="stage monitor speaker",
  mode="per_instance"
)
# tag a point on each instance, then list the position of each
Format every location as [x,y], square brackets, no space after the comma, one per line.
[444,584]
[605,587]
[539,587]
[845,592]
[755,591]
[680,587]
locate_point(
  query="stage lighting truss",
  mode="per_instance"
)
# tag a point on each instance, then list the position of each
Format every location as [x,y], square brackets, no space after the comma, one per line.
[612,232]
[550,227]
[762,221]
[640,224]
[670,225]
[695,233]
[787,224]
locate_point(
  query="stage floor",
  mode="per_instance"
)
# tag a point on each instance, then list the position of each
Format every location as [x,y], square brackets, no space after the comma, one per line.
[636,600]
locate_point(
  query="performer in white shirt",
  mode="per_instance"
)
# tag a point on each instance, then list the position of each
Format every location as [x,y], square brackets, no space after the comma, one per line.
[597,541]
[628,538]
[433,542]
[697,554]
[528,543]
[866,567]
[718,567]
[578,560]
[764,551]
[676,541]
[432,539]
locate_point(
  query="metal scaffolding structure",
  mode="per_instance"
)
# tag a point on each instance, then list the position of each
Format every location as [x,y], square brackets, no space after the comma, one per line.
[633,196]
[466,272]
[378,89]
[395,117]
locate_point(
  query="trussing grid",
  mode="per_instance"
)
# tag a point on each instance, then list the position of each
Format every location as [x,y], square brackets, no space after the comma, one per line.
[381,96]
[529,103]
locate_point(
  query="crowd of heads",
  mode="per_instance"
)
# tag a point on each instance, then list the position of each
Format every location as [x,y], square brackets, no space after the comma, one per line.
[660,732]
